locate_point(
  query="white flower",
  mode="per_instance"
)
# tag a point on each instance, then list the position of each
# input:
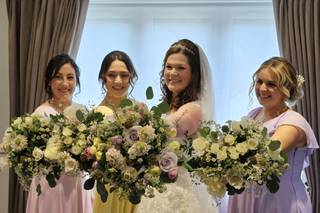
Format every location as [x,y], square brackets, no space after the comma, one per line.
[66,131]
[28,121]
[71,112]
[106,111]
[215,148]
[222,155]
[37,154]
[252,143]
[76,150]
[236,126]
[52,149]
[199,145]
[242,148]
[19,143]
[146,133]
[233,153]
[67,140]
[174,146]
[70,165]
[17,122]
[82,127]
[229,139]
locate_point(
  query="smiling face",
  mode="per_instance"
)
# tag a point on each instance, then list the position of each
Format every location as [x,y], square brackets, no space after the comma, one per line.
[63,83]
[177,73]
[117,79]
[267,90]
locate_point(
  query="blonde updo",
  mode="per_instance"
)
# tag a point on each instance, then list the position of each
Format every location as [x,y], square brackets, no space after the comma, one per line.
[287,80]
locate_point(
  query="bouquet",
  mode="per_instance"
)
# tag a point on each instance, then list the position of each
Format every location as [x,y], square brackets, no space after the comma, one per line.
[230,157]
[130,150]
[25,143]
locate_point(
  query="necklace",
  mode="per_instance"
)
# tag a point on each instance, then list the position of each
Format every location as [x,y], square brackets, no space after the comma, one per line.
[59,107]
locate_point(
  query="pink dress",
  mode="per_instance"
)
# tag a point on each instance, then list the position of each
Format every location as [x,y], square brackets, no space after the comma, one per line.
[68,196]
[292,195]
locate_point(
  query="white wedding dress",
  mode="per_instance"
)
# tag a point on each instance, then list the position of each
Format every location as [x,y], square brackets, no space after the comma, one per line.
[182,196]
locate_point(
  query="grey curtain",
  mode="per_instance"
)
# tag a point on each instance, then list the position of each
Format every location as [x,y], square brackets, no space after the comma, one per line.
[38,30]
[298,25]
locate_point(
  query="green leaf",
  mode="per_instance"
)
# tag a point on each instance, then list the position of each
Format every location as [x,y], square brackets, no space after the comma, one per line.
[204,131]
[188,167]
[156,111]
[38,189]
[163,107]
[51,180]
[264,132]
[149,93]
[284,156]
[274,145]
[272,185]
[88,184]
[101,189]
[135,197]
[80,115]
[231,190]
[125,103]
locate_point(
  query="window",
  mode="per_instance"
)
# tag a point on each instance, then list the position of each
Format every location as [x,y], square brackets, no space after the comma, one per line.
[237,38]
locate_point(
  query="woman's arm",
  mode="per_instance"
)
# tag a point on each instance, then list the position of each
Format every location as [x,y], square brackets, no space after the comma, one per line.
[290,137]
[187,119]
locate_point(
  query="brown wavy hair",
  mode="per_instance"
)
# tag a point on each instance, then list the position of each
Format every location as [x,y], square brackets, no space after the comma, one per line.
[192,91]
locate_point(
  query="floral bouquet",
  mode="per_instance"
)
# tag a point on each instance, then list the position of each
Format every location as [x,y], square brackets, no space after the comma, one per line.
[25,142]
[230,157]
[129,150]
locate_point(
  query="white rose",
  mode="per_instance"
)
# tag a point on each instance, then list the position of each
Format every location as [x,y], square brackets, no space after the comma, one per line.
[17,122]
[235,181]
[82,127]
[71,112]
[200,144]
[67,140]
[222,155]
[51,152]
[233,153]
[70,165]
[76,150]
[229,139]
[66,131]
[106,111]
[235,126]
[37,154]
[252,143]
[28,121]
[242,148]
[275,155]
[215,148]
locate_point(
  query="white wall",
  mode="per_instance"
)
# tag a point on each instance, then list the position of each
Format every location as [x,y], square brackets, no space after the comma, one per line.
[4,98]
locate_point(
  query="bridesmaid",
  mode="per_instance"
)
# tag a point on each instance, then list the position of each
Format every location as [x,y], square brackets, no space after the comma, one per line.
[61,79]
[117,74]
[276,85]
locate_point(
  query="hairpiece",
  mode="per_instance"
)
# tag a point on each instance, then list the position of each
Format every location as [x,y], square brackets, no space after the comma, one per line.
[183,48]
[300,80]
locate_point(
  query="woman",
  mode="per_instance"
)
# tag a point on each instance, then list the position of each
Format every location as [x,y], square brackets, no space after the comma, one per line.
[186,86]
[117,73]
[61,79]
[276,85]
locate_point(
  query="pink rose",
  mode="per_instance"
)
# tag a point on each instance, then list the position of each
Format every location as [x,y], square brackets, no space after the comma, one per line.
[168,161]
[173,174]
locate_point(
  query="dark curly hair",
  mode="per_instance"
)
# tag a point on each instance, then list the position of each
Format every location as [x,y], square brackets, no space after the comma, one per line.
[192,91]
[53,68]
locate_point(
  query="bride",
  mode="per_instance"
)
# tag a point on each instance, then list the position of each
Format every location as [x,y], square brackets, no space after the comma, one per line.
[186,86]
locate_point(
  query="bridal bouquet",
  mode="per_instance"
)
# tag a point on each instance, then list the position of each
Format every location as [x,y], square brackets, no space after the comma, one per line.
[131,151]
[230,157]
[24,143]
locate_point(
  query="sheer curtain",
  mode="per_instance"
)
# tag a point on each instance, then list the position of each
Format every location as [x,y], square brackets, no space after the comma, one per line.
[235,37]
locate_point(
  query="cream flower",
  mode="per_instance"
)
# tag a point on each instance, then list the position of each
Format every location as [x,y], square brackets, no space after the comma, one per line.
[106,111]
[82,127]
[66,131]
[252,143]
[67,140]
[174,146]
[37,154]
[199,145]
[216,187]
[70,165]
[222,155]
[233,153]
[236,126]
[76,150]
[229,139]
[242,148]
[215,148]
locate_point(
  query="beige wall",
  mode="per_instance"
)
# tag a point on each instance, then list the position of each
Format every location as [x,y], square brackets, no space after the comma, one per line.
[4,98]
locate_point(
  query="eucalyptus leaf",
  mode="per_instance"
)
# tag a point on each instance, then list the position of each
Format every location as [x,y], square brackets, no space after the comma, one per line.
[284,156]
[149,93]
[272,185]
[101,189]
[125,103]
[89,184]
[51,180]
[80,115]
[164,107]
[274,145]
[264,132]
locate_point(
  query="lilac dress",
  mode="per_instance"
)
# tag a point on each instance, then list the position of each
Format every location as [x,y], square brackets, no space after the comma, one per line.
[292,195]
[68,196]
